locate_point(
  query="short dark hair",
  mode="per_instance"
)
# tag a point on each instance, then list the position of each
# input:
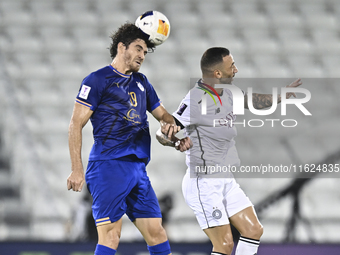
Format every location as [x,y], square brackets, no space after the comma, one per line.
[213,56]
[127,34]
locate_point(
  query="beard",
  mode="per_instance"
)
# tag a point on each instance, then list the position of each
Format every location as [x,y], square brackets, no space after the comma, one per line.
[132,65]
[226,80]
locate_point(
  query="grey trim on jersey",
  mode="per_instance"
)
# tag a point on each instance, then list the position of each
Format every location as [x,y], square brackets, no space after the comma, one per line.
[201,147]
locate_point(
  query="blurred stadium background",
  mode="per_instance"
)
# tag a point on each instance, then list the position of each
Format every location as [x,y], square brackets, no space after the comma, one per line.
[48,46]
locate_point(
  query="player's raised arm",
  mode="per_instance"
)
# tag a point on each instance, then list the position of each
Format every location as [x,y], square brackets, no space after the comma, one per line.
[261,101]
[81,115]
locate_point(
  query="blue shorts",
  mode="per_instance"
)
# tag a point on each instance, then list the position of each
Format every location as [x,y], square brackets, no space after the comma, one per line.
[118,187]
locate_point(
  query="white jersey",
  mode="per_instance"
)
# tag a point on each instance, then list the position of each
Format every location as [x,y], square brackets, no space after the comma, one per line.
[212,134]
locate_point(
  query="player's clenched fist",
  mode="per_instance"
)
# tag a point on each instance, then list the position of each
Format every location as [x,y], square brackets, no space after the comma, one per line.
[183,144]
[75,181]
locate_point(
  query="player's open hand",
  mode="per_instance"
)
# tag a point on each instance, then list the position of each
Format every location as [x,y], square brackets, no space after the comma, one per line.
[294,84]
[76,180]
[183,144]
[169,129]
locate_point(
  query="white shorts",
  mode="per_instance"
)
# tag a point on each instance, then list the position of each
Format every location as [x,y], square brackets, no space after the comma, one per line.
[213,200]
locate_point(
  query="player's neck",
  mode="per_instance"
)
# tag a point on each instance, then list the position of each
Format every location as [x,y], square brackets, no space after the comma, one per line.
[120,66]
[211,82]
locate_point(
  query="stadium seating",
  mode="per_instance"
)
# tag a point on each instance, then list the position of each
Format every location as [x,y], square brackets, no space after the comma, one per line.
[48,47]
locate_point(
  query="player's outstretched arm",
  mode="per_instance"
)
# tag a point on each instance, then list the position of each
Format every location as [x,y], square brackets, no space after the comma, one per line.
[167,121]
[179,144]
[81,115]
[261,101]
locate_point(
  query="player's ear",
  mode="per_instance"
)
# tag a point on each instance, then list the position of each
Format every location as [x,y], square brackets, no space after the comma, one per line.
[121,47]
[217,74]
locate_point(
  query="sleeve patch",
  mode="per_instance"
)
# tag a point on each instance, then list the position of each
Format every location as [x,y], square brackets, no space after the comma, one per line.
[181,109]
[84,92]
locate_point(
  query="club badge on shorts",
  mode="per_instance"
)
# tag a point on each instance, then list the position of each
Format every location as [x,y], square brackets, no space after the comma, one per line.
[217,214]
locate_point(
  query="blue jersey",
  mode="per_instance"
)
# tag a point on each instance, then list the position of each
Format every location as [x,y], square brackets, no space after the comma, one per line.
[119,103]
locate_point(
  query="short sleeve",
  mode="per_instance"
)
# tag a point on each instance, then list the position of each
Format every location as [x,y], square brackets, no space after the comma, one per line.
[152,98]
[188,111]
[90,92]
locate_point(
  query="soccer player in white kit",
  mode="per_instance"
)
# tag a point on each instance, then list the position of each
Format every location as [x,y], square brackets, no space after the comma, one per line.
[216,201]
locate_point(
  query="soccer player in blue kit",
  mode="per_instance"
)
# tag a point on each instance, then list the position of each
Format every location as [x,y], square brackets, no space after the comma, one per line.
[115,98]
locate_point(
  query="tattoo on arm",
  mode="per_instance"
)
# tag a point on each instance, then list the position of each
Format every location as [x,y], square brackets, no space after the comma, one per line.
[165,140]
[260,101]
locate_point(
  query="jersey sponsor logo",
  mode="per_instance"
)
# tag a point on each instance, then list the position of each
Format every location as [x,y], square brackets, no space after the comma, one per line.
[217,214]
[133,116]
[227,121]
[181,109]
[140,86]
[84,92]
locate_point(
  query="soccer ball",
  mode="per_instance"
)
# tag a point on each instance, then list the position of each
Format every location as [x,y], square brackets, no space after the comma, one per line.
[154,24]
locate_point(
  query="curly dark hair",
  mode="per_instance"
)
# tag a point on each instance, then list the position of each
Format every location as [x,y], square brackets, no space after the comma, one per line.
[127,34]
